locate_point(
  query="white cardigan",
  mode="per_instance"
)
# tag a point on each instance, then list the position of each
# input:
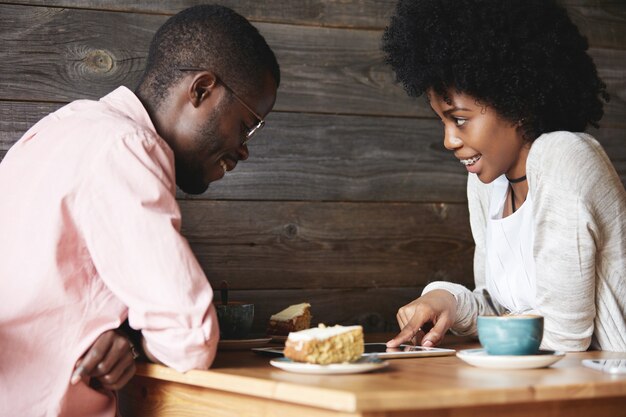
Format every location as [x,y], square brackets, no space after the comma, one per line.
[579,206]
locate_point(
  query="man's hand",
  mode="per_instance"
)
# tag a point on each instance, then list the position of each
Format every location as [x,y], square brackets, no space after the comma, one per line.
[425,320]
[111,360]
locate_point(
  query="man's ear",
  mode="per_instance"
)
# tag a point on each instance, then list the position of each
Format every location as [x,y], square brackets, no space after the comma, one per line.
[201,87]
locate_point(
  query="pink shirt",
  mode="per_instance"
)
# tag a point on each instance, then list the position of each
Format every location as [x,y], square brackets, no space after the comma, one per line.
[90,235]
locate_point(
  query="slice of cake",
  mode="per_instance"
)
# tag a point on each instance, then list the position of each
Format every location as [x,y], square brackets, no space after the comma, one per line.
[292,319]
[324,345]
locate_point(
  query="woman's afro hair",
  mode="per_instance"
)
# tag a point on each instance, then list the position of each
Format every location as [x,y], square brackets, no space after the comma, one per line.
[525,58]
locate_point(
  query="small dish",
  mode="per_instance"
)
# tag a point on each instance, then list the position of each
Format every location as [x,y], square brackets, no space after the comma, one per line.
[360,366]
[480,358]
[241,344]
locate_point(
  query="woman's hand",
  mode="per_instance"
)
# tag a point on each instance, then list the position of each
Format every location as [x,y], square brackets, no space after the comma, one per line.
[111,360]
[436,308]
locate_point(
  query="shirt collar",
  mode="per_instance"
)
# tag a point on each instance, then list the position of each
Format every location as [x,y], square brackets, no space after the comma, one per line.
[128,103]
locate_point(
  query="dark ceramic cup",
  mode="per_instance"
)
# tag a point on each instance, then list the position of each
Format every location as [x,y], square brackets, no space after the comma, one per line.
[235,319]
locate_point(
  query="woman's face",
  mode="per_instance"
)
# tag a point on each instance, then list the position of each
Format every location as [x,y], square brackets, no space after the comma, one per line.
[485,143]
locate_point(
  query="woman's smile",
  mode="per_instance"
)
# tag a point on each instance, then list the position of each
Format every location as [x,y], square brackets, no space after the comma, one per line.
[485,143]
[470,161]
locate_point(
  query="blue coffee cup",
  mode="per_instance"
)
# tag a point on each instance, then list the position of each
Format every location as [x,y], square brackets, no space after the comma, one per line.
[510,335]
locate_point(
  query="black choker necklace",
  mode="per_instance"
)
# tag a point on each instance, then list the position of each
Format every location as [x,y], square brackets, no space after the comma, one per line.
[516,180]
[511,182]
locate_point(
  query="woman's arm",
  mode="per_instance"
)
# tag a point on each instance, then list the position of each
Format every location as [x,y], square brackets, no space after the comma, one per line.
[569,177]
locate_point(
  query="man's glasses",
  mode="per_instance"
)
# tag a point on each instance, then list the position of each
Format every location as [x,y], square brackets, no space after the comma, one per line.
[257,126]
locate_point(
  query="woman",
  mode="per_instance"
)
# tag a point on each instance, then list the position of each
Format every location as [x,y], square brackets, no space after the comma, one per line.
[514,86]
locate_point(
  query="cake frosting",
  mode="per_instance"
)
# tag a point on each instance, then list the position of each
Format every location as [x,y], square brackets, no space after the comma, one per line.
[321,333]
[290,312]
[292,319]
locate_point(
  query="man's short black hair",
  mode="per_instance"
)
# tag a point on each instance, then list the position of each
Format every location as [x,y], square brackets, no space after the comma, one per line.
[525,58]
[211,37]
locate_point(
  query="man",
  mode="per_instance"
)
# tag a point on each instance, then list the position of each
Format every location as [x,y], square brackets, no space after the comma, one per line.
[91,228]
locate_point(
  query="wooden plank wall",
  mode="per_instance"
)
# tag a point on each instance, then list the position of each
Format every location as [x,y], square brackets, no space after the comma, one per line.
[349,200]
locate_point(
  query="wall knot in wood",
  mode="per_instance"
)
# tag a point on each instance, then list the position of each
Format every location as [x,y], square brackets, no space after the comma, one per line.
[290,231]
[98,61]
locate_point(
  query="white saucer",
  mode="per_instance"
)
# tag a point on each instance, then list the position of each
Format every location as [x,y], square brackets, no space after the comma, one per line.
[480,358]
[360,366]
[240,344]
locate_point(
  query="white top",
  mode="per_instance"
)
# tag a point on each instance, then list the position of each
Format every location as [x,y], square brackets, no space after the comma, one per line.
[579,247]
[510,272]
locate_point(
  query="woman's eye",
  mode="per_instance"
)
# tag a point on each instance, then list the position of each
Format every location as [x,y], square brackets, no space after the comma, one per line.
[459,122]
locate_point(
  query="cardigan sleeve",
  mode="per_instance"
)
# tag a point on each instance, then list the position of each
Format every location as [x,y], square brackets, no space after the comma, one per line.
[569,176]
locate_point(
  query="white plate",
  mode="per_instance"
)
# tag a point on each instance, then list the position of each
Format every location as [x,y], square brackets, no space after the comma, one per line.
[360,366]
[240,344]
[480,358]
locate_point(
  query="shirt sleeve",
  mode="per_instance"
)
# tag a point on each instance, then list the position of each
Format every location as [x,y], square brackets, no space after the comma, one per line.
[131,225]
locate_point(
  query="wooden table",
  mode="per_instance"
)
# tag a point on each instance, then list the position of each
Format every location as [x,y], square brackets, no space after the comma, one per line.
[242,383]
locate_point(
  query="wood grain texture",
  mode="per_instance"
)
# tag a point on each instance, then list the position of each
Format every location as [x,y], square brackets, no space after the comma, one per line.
[146,397]
[355,262]
[59,55]
[85,53]
[149,397]
[301,156]
[16,117]
[323,70]
[346,158]
[602,21]
[373,308]
[440,386]
[275,245]
[352,14]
